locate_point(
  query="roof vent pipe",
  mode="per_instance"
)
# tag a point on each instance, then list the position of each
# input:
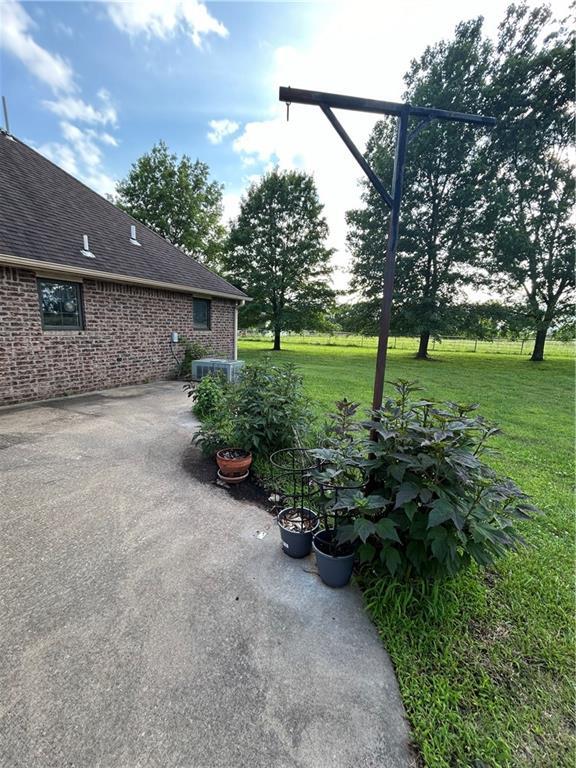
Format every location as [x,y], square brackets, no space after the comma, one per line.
[86,248]
[133,239]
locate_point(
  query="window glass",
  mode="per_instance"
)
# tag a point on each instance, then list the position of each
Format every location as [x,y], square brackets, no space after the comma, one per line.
[201,310]
[60,304]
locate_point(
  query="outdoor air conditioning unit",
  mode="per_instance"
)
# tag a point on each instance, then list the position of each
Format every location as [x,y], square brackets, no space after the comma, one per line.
[207,365]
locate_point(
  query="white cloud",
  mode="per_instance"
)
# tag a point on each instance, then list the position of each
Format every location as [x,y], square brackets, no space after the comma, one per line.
[82,164]
[84,144]
[16,38]
[164,19]
[75,108]
[107,138]
[221,129]
[64,29]
[100,182]
[80,153]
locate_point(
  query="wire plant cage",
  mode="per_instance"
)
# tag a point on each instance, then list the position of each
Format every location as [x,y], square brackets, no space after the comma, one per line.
[292,484]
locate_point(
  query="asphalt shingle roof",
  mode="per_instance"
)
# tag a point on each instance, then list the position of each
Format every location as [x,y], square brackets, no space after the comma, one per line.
[44,212]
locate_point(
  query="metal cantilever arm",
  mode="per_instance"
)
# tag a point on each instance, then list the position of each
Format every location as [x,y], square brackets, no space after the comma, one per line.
[339,101]
[374,178]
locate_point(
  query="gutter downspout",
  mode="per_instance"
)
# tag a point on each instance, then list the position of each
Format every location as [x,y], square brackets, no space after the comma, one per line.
[238,304]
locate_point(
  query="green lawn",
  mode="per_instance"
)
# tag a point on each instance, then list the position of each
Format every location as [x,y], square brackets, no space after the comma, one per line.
[485,662]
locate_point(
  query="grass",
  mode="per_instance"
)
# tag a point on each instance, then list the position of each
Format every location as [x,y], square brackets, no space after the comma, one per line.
[485,662]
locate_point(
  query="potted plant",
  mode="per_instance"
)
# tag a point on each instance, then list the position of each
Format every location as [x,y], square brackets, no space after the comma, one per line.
[335,560]
[233,464]
[294,494]
[297,528]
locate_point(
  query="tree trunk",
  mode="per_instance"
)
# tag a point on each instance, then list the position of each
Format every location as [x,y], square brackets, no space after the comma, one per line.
[422,353]
[538,351]
[277,339]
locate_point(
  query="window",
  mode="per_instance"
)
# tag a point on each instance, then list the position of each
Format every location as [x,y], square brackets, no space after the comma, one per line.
[201,314]
[60,305]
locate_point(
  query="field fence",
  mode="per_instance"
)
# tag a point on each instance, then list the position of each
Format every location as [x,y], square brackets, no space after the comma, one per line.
[410,343]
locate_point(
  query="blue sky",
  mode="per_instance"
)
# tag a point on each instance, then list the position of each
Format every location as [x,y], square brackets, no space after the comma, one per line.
[94,85]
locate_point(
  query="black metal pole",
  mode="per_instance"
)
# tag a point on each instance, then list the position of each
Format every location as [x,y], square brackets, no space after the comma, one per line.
[390,263]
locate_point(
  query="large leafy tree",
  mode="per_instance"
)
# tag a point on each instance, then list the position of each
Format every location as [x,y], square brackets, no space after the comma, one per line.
[176,198]
[277,254]
[530,192]
[437,247]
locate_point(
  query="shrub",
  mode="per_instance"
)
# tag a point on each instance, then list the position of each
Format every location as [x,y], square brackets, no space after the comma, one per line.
[432,506]
[272,411]
[193,350]
[265,411]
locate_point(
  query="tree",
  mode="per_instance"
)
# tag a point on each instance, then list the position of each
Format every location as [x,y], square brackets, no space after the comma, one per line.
[277,253]
[528,234]
[177,200]
[437,248]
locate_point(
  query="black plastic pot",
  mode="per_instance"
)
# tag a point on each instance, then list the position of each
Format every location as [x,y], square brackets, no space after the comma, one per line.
[297,543]
[334,571]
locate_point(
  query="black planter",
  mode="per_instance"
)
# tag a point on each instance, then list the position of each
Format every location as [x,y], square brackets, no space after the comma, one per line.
[334,571]
[297,543]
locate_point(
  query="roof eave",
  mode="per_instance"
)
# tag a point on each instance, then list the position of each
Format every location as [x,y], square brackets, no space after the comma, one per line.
[113,277]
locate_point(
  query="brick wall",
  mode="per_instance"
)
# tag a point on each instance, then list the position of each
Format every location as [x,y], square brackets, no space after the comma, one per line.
[125,341]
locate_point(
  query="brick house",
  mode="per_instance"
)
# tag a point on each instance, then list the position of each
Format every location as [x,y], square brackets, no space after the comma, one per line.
[89,297]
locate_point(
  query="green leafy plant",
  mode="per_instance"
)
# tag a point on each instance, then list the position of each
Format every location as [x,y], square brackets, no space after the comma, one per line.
[265,411]
[210,395]
[216,433]
[341,461]
[439,507]
[431,506]
[271,409]
[193,350]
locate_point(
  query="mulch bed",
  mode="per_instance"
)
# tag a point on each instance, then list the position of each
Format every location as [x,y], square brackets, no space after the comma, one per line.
[204,469]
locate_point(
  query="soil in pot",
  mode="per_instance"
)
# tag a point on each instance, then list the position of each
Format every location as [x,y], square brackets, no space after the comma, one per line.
[334,561]
[233,461]
[297,527]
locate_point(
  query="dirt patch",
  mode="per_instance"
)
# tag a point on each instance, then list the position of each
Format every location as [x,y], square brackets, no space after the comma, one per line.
[204,470]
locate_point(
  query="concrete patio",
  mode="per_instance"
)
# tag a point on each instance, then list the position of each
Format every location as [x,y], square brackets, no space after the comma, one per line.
[144,623]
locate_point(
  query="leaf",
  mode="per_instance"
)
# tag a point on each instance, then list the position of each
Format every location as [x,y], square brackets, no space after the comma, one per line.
[440,548]
[366,552]
[375,501]
[363,528]
[406,492]
[410,510]
[391,558]
[386,529]
[345,533]
[397,471]
[441,511]
[425,495]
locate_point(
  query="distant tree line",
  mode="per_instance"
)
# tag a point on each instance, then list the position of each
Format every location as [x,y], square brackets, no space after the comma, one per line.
[486,210]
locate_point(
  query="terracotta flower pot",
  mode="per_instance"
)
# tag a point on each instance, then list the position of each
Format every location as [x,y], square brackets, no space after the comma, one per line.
[233,461]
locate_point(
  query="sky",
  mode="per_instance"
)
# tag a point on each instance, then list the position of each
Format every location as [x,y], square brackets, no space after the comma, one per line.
[94,85]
